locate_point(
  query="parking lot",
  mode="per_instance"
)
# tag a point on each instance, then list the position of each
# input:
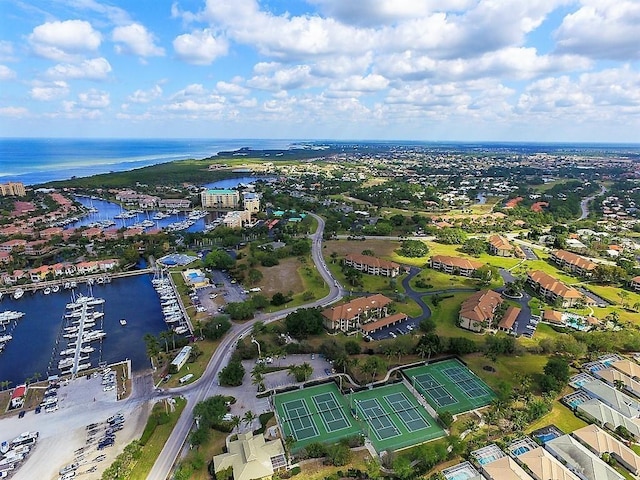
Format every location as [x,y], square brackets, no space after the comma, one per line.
[63,433]
[528,252]
[408,326]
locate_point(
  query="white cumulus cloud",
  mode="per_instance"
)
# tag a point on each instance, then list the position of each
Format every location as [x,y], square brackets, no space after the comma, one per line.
[6,73]
[49,91]
[604,29]
[199,47]
[63,41]
[94,99]
[93,69]
[135,39]
[146,96]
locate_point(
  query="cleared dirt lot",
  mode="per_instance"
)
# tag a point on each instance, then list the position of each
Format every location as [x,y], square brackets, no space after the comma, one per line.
[381,248]
[281,278]
[63,432]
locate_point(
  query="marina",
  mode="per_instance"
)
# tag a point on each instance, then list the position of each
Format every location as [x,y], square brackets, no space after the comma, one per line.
[37,335]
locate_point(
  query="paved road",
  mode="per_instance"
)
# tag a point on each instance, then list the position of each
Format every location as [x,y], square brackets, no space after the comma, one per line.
[584,204]
[207,385]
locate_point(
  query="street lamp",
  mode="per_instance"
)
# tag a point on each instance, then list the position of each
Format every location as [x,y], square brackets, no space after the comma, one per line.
[253,340]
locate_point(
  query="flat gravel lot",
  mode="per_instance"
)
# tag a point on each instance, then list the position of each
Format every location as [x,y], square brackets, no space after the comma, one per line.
[81,402]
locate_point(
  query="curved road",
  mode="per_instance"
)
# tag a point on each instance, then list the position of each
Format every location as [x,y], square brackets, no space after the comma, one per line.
[584,204]
[207,384]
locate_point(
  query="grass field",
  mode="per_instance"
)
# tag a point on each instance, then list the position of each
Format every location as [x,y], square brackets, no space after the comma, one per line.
[156,443]
[560,416]
[207,347]
[507,369]
[442,281]
[445,314]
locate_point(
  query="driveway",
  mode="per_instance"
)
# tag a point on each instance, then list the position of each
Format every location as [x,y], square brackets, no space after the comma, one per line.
[523,324]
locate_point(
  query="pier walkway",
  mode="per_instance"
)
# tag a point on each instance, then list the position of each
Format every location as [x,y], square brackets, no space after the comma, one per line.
[94,278]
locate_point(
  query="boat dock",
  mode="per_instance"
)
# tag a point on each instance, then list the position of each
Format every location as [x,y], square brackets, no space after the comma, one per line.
[94,278]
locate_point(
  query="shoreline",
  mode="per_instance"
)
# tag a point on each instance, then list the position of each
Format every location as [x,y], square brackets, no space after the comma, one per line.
[39,161]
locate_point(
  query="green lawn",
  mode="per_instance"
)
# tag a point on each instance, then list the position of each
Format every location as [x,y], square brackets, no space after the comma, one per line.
[611,294]
[442,281]
[156,443]
[508,369]
[445,314]
[560,416]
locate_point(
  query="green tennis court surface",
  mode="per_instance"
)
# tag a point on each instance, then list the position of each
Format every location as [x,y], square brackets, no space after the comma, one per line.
[315,414]
[450,386]
[394,419]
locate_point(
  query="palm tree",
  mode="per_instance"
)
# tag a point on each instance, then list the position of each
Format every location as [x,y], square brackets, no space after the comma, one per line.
[152,347]
[36,376]
[165,336]
[248,418]
[306,370]
[235,422]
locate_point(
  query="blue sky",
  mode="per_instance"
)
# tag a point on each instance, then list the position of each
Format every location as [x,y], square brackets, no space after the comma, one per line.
[534,70]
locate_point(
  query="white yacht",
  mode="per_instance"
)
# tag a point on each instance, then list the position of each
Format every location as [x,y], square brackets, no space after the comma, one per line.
[18,293]
[123,322]
[47,291]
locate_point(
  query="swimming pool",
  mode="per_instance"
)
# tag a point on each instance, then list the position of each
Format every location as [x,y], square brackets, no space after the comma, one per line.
[545,437]
[488,459]
[520,450]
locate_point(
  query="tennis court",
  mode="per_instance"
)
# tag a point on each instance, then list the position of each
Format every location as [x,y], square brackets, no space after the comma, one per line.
[314,414]
[450,386]
[394,419]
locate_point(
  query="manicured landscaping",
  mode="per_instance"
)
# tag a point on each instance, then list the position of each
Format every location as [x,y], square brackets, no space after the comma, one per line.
[560,416]
[445,314]
[507,369]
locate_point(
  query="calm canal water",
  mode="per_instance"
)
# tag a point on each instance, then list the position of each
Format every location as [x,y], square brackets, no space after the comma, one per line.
[35,335]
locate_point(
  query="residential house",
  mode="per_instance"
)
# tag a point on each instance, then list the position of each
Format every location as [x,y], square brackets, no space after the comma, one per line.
[580,460]
[613,397]
[509,318]
[544,466]
[635,283]
[372,265]
[454,265]
[600,442]
[500,246]
[351,315]
[5,257]
[505,468]
[554,290]
[617,379]
[574,263]
[251,457]
[37,248]
[172,203]
[40,273]
[477,311]
[606,417]
[13,245]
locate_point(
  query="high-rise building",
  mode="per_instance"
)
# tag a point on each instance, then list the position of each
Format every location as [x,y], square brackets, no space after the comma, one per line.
[12,189]
[220,199]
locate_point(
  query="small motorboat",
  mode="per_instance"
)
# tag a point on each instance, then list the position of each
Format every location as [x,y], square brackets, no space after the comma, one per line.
[123,322]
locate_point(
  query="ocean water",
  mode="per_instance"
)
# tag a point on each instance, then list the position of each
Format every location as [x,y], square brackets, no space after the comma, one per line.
[39,160]
[35,335]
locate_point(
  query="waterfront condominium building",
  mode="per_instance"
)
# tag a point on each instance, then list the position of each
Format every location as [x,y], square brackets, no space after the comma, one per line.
[220,199]
[251,202]
[15,189]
